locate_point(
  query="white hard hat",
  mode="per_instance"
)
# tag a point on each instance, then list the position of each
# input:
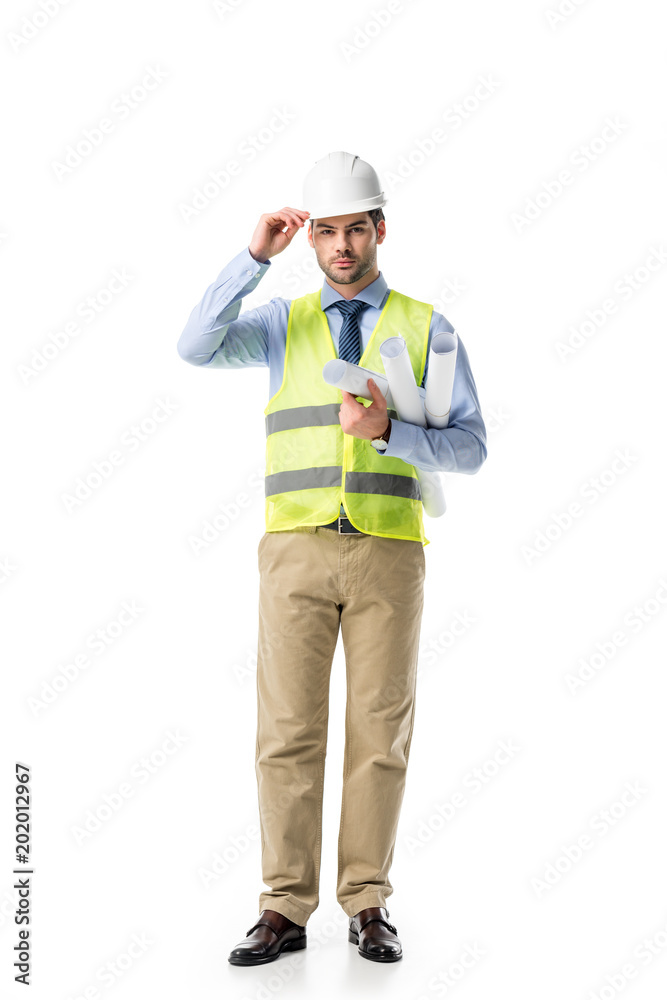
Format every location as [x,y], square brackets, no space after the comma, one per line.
[341,183]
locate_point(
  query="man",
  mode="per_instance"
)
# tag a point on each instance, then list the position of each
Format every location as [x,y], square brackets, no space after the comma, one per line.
[343,548]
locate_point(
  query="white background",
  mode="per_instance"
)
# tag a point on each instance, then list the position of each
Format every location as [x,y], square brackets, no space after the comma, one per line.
[374,79]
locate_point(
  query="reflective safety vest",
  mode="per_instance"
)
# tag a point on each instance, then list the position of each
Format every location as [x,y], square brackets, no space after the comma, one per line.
[311,465]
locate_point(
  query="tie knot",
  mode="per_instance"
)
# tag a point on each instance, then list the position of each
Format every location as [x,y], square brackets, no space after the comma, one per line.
[350,307]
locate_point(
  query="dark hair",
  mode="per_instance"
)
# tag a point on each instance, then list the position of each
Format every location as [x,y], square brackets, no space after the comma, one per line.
[376,214]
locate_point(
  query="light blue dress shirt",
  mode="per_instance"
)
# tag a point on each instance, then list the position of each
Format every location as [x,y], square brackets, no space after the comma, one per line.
[215,336]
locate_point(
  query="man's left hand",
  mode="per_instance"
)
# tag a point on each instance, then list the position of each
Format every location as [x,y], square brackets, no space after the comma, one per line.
[364,421]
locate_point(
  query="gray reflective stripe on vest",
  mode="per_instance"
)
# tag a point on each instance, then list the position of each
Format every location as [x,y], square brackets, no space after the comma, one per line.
[383,482]
[355,482]
[302,416]
[302,479]
[307,416]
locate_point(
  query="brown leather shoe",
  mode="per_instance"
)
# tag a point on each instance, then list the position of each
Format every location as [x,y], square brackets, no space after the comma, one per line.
[376,937]
[268,939]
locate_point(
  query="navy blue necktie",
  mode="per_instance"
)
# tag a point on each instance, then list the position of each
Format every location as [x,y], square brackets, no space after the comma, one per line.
[349,342]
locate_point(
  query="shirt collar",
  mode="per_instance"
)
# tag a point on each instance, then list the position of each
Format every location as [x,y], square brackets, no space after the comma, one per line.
[373,294]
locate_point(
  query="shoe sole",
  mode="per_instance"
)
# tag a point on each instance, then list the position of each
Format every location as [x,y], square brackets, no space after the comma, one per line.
[295,945]
[353,938]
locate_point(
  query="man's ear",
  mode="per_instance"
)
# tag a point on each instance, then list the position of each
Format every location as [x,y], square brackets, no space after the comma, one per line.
[309,234]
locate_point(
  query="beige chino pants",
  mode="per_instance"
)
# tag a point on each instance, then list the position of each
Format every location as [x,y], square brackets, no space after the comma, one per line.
[314,581]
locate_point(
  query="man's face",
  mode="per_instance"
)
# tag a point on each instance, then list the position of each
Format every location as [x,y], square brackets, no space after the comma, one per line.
[346,238]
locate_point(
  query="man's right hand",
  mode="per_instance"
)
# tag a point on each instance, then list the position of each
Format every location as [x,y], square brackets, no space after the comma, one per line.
[269,238]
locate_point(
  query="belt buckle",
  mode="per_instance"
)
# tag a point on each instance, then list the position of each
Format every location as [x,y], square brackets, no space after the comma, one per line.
[340,524]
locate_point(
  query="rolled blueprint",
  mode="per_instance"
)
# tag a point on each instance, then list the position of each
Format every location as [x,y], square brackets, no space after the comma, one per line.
[410,408]
[402,384]
[441,365]
[354,379]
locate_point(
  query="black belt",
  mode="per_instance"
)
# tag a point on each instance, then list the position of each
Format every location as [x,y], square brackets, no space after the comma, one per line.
[343,526]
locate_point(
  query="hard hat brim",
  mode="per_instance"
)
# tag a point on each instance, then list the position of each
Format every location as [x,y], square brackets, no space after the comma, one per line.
[347,208]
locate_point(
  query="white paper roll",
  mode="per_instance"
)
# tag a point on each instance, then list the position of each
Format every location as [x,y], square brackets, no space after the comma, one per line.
[354,379]
[404,390]
[440,382]
[410,407]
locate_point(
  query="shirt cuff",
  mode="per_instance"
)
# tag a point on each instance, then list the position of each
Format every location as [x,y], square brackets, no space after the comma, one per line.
[249,261]
[402,440]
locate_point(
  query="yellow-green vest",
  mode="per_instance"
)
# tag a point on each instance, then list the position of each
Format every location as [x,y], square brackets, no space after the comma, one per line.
[311,465]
